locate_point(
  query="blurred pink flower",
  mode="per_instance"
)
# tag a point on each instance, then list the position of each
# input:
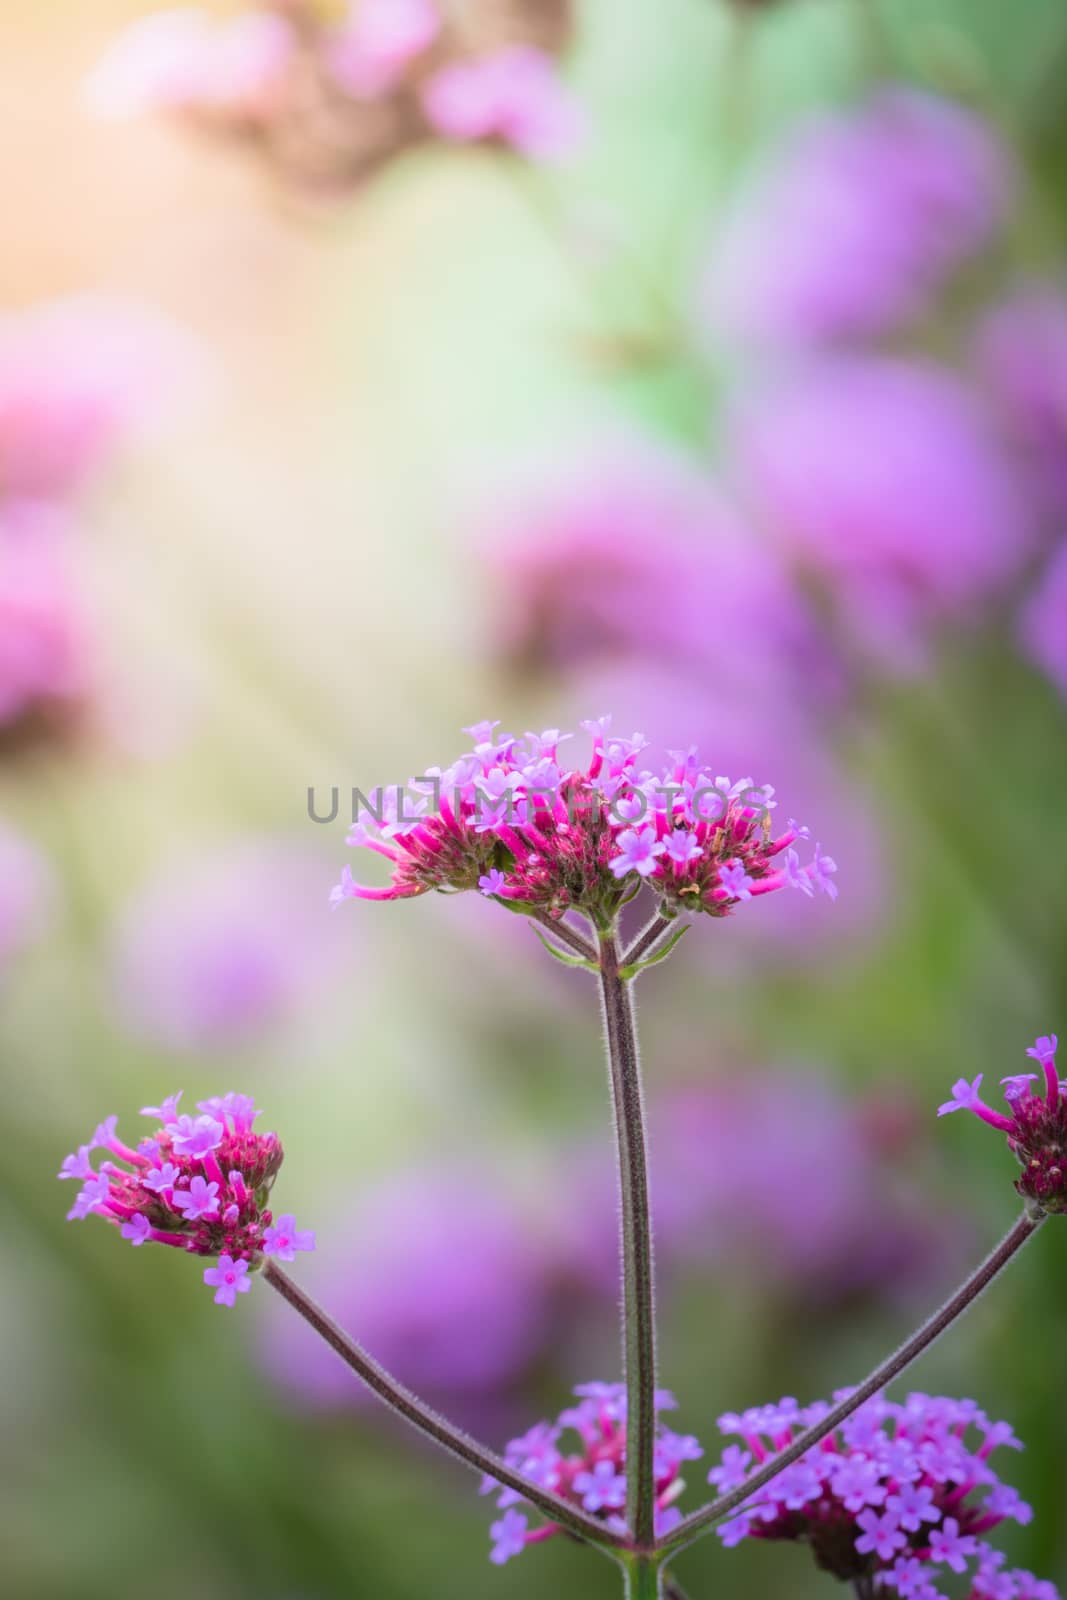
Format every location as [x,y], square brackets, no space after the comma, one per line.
[44,652]
[1022,354]
[867,213]
[198,965]
[885,478]
[1043,627]
[775,1174]
[516,96]
[26,892]
[187,60]
[370,53]
[442,1277]
[630,552]
[77,376]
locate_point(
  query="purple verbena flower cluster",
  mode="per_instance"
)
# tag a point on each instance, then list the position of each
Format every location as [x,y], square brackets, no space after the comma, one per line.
[1036,1125]
[900,1497]
[592,1476]
[199,1183]
[510,820]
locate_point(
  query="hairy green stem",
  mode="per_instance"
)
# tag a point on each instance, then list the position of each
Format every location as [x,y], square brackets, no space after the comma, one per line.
[566,935]
[644,1580]
[648,937]
[639,1334]
[430,1423]
[700,1521]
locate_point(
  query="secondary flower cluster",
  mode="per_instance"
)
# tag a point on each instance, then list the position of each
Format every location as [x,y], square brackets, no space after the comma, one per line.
[1036,1127]
[899,1496]
[592,1476]
[509,820]
[199,1183]
[327,99]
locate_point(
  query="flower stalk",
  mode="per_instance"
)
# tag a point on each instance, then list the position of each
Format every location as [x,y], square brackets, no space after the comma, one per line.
[430,1423]
[699,1521]
[639,1336]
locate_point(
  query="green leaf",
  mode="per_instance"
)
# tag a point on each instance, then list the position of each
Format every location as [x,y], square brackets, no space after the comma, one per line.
[637,967]
[565,957]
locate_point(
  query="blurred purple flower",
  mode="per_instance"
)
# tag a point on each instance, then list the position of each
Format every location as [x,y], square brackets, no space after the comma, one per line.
[442,1278]
[1043,627]
[772,1173]
[78,376]
[369,54]
[26,893]
[884,477]
[1022,355]
[516,96]
[198,965]
[630,552]
[44,648]
[865,216]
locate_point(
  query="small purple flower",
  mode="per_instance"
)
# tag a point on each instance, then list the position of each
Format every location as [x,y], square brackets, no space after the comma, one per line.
[138,1230]
[509,1537]
[821,870]
[912,1505]
[683,846]
[200,1200]
[602,1488]
[947,1544]
[492,882]
[638,850]
[965,1096]
[796,876]
[93,1196]
[229,1279]
[196,1136]
[167,1112]
[735,880]
[284,1239]
[732,1470]
[77,1165]
[160,1178]
[881,1535]
[857,1484]
[1016,1087]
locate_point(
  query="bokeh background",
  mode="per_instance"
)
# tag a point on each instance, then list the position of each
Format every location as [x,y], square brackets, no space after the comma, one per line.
[748,424]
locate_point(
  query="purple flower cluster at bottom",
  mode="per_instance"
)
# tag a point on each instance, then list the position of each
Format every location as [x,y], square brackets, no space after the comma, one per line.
[593,1475]
[900,1496]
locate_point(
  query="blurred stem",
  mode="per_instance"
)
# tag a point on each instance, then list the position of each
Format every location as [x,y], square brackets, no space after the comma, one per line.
[700,1521]
[430,1423]
[672,1589]
[639,1335]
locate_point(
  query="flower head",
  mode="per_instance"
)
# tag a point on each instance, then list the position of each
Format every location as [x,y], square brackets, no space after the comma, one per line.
[509,819]
[591,1471]
[515,97]
[1035,1124]
[880,204]
[899,1493]
[199,1183]
[921,519]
